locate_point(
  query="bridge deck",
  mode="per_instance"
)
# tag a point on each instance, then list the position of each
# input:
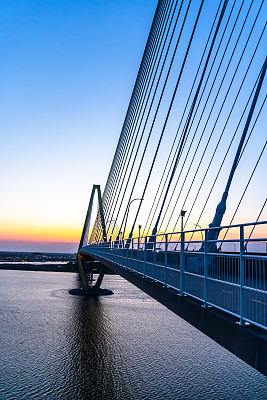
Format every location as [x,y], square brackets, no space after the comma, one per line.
[223,292]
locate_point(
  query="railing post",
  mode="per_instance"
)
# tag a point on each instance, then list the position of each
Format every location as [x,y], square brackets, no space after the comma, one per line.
[166,259]
[242,275]
[138,248]
[206,267]
[182,265]
[122,248]
[145,256]
[127,255]
[154,256]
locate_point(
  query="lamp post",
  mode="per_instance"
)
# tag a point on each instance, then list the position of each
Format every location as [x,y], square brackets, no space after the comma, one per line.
[115,223]
[128,209]
[196,225]
[139,228]
[182,219]
[182,214]
[120,239]
[182,256]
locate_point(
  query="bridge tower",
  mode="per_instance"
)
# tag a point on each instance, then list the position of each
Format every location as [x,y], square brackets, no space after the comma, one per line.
[87,289]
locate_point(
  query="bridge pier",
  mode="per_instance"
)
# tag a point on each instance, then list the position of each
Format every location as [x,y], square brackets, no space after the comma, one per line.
[89,289]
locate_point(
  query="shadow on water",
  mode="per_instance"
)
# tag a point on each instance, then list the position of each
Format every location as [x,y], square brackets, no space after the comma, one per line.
[95,366]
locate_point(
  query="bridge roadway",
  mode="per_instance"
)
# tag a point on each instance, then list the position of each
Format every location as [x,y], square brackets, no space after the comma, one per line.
[213,301]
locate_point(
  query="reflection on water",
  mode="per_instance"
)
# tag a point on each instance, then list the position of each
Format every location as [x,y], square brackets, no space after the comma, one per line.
[127,346]
[92,350]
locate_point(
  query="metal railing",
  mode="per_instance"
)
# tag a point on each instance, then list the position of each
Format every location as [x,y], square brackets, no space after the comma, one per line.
[229,273]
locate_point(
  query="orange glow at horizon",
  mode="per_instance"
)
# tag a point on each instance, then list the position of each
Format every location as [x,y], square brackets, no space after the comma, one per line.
[68,234]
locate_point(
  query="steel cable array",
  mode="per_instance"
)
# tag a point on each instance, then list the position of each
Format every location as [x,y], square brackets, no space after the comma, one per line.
[123,140]
[199,71]
[206,123]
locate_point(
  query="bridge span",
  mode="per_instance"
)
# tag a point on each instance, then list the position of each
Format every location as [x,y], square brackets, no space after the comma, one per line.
[222,293]
[193,138]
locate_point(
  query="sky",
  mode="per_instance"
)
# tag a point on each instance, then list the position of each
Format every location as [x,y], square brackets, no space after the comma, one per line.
[67,71]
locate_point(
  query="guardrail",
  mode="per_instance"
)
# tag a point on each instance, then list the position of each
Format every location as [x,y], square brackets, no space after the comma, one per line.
[229,273]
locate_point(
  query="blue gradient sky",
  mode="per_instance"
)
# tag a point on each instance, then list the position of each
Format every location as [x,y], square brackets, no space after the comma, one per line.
[67,72]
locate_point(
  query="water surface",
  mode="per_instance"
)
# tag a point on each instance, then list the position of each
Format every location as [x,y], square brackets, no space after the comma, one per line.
[125,346]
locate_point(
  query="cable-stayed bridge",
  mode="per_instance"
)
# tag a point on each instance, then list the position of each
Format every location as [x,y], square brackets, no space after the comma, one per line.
[183,212]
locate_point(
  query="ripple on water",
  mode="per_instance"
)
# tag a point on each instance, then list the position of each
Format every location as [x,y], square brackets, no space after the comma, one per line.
[126,346]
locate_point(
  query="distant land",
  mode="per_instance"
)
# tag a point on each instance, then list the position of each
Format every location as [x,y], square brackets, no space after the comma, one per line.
[36,261]
[38,246]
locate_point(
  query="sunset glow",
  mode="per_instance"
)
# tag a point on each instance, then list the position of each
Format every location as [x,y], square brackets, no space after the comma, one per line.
[40,233]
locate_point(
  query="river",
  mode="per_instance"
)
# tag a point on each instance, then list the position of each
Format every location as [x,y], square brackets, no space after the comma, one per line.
[125,346]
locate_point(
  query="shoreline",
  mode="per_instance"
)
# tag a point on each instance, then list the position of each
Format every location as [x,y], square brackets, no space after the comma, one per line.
[47,267]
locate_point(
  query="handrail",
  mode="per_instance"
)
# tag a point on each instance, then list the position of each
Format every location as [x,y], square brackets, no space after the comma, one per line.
[204,230]
[235,282]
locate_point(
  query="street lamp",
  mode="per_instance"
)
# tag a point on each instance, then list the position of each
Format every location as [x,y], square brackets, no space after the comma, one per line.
[197,225]
[182,226]
[182,219]
[127,210]
[120,240]
[114,225]
[139,228]
[104,235]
